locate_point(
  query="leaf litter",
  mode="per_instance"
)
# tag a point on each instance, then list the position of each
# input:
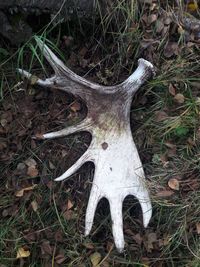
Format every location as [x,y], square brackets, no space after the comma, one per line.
[33,113]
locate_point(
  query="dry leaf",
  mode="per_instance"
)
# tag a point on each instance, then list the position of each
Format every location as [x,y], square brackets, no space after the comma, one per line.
[170,145]
[88,245]
[69,204]
[198,228]
[165,193]
[179,98]
[46,248]
[159,26]
[20,193]
[105,264]
[21,166]
[60,258]
[192,6]
[58,236]
[83,51]
[152,238]
[109,246]
[171,49]
[33,79]
[75,106]
[138,239]
[173,184]
[69,215]
[152,18]
[95,259]
[34,205]
[51,166]
[22,253]
[3,122]
[32,171]
[30,162]
[172,89]
[160,116]
[68,40]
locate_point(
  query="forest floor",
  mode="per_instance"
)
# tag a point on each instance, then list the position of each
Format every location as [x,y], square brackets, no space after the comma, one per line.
[42,221]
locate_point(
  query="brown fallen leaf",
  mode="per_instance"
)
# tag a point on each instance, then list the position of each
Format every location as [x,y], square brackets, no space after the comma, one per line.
[172,89]
[20,193]
[32,171]
[95,259]
[33,79]
[22,253]
[30,237]
[34,205]
[30,162]
[69,204]
[173,183]
[171,49]
[68,40]
[109,246]
[3,122]
[152,18]
[58,236]
[21,166]
[161,116]
[169,144]
[75,106]
[69,215]
[179,98]
[138,239]
[151,238]
[88,245]
[60,258]
[83,51]
[105,264]
[46,248]
[198,228]
[159,26]
[51,166]
[165,193]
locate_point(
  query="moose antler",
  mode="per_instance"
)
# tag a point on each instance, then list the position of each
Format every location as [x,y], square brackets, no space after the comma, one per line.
[118,169]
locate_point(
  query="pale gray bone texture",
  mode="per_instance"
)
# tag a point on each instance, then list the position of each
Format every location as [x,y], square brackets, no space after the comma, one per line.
[118,168]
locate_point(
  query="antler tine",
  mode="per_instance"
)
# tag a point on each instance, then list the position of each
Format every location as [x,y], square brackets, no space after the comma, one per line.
[49,82]
[83,159]
[57,65]
[117,222]
[142,196]
[84,125]
[60,68]
[143,72]
[94,198]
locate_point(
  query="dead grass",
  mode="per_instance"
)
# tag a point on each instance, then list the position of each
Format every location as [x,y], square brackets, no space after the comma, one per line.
[48,220]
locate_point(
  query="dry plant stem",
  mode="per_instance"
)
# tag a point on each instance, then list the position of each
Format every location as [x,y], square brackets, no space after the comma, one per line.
[118,169]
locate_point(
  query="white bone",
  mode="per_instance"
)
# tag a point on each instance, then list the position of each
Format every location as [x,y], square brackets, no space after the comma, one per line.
[118,169]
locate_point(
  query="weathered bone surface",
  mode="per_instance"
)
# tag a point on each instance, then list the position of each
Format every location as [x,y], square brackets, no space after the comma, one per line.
[118,169]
